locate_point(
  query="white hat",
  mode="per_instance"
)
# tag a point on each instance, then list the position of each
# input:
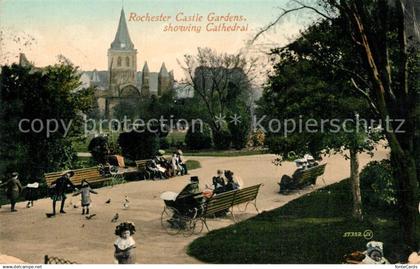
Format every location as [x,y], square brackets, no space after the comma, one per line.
[309,157]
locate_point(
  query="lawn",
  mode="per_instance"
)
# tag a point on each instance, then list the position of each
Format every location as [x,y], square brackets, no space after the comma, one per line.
[308,230]
[192,164]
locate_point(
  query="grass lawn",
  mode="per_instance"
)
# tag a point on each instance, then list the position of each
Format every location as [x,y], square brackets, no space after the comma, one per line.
[192,164]
[308,230]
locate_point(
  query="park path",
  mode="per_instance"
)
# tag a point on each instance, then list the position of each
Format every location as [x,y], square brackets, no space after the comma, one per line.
[29,235]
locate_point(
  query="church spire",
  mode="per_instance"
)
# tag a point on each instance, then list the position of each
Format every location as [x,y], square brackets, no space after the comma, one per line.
[163,71]
[145,68]
[122,39]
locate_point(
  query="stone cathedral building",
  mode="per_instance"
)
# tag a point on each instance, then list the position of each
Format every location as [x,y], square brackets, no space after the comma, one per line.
[122,82]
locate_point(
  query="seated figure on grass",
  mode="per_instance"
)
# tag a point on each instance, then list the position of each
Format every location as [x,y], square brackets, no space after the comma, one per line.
[374,253]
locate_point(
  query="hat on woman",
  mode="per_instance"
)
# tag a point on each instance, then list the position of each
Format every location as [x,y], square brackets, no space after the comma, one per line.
[15,174]
[374,246]
[68,172]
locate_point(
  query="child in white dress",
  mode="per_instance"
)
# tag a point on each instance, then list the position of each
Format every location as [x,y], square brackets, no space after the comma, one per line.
[125,244]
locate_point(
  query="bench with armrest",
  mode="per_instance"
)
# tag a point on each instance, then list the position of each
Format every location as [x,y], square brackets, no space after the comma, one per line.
[141,167]
[225,201]
[307,177]
[90,174]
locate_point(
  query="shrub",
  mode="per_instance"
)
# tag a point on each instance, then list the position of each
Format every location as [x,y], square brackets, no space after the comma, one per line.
[240,132]
[257,138]
[222,138]
[164,143]
[139,145]
[199,139]
[99,148]
[378,186]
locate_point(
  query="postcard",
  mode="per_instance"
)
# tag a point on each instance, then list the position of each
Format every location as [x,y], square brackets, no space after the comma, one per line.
[235,132]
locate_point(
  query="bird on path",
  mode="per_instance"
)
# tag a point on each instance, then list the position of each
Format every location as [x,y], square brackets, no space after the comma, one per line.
[90,216]
[108,201]
[126,202]
[115,218]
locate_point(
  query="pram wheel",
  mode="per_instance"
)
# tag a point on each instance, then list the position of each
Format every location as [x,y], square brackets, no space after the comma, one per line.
[172,221]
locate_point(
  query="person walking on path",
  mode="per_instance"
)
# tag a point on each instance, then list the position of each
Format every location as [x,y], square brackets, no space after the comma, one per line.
[58,191]
[85,191]
[14,187]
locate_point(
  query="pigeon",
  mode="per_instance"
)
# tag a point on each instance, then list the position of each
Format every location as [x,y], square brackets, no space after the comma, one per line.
[115,218]
[82,226]
[49,215]
[126,202]
[75,206]
[90,216]
[108,201]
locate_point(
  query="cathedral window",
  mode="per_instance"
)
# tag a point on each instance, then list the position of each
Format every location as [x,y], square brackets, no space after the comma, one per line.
[119,61]
[127,61]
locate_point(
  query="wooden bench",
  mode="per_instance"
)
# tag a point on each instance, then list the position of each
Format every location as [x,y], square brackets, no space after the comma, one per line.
[90,174]
[141,167]
[307,177]
[226,200]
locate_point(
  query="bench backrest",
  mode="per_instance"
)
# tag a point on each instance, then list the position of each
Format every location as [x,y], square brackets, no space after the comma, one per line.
[226,200]
[141,164]
[311,173]
[90,174]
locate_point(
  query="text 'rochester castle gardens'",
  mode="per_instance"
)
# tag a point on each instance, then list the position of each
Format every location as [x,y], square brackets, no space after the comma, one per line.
[181,22]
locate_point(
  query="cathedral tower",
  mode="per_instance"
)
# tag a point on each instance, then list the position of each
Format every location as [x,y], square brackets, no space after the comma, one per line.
[145,81]
[164,81]
[122,60]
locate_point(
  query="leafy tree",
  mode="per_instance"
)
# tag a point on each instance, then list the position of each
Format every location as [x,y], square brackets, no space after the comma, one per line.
[384,33]
[303,89]
[136,145]
[199,137]
[40,94]
[220,80]
[99,148]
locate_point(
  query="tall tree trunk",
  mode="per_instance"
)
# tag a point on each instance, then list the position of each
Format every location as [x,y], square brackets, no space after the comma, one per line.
[355,182]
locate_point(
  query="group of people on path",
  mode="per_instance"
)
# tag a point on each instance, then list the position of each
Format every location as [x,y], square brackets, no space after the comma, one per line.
[14,189]
[162,168]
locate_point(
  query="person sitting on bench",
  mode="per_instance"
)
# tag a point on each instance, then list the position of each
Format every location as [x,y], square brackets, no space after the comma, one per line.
[190,197]
[287,182]
[231,184]
[219,182]
[310,160]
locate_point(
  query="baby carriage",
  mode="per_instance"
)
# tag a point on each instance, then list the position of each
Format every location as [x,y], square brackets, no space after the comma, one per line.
[182,213]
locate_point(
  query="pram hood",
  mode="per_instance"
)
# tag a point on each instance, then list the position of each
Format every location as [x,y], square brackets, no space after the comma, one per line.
[169,196]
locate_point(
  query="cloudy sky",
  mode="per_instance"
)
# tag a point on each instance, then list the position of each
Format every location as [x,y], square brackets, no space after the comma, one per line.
[82,30]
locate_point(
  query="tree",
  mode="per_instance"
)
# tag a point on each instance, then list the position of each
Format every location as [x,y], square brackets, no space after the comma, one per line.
[388,48]
[99,148]
[219,80]
[40,96]
[136,145]
[304,89]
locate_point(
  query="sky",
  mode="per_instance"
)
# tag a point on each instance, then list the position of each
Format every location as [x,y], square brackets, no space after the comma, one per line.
[82,30]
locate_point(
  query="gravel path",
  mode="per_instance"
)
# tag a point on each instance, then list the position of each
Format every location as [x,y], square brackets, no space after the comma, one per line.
[29,235]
